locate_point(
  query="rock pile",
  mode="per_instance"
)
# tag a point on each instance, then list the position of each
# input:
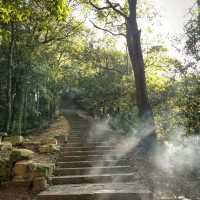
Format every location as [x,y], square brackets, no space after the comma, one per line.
[17,165]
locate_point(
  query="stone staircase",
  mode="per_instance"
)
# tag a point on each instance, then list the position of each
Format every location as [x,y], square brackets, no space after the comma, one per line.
[88,169]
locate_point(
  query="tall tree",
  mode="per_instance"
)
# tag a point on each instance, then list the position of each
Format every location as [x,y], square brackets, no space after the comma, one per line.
[128,13]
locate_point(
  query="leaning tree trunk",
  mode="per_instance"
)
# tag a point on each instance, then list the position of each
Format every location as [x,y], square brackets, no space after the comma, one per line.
[137,61]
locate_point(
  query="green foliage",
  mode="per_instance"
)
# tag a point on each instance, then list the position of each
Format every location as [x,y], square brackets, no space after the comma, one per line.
[189,95]
[192,29]
[38,30]
[14,11]
[189,105]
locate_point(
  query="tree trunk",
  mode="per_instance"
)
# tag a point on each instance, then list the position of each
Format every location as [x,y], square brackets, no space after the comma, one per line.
[137,61]
[10,75]
[18,107]
[198,6]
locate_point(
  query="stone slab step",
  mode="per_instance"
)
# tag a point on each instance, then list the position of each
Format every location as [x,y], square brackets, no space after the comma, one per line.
[90,163]
[86,144]
[99,178]
[75,140]
[76,132]
[92,170]
[66,148]
[78,137]
[90,157]
[82,141]
[91,152]
[108,191]
[80,123]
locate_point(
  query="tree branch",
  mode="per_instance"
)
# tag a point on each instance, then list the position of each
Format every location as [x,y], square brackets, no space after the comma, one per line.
[97,7]
[110,6]
[108,31]
[114,7]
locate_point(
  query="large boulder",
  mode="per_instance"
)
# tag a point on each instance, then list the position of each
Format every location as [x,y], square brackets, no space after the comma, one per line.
[15,140]
[49,148]
[21,154]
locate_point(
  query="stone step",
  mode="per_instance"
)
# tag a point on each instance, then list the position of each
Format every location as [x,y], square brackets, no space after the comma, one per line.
[74,137]
[87,148]
[90,163]
[92,170]
[91,152]
[76,132]
[75,141]
[87,144]
[85,141]
[98,178]
[109,191]
[76,124]
[91,157]
[79,123]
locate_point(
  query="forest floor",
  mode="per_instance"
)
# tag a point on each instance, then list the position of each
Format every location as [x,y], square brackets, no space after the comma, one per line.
[59,126]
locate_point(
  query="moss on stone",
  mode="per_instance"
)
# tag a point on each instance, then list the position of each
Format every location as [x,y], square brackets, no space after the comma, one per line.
[50,148]
[21,154]
[42,170]
[5,146]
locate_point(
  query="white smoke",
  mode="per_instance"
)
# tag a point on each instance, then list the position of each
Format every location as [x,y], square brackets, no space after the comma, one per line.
[180,154]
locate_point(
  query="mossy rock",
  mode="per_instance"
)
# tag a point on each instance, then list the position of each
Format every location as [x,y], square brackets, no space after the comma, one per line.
[15,140]
[21,154]
[5,169]
[5,146]
[47,141]
[50,148]
[42,170]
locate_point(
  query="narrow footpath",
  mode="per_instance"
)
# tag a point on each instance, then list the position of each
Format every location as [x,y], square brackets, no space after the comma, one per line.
[90,169]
